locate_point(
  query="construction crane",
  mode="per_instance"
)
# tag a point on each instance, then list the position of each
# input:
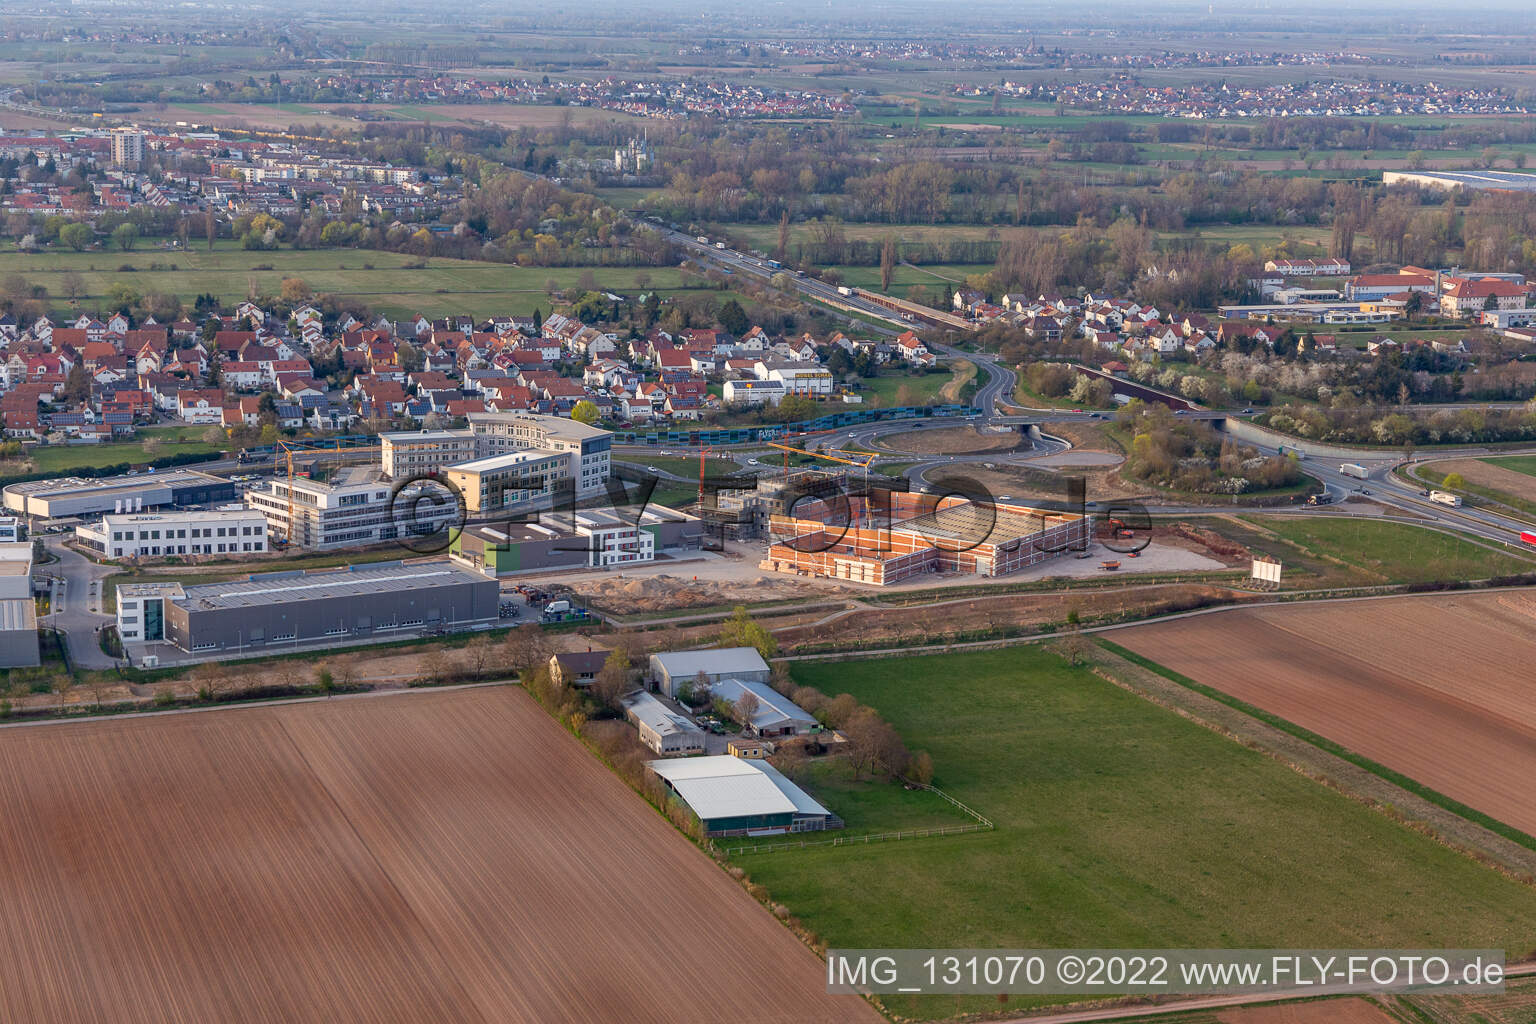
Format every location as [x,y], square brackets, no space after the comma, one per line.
[317,447]
[846,456]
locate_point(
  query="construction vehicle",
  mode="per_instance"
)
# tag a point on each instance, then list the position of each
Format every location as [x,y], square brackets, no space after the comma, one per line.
[1109,566]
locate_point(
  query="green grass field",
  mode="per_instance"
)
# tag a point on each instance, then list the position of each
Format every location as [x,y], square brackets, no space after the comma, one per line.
[682,466]
[443,287]
[1396,552]
[1516,463]
[150,444]
[1118,824]
[887,390]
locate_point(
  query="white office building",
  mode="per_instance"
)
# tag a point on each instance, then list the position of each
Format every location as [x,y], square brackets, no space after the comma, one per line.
[355,507]
[408,453]
[502,433]
[232,530]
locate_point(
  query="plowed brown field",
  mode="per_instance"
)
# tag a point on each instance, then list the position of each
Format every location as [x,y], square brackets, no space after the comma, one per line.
[1331,1011]
[1440,689]
[448,856]
[1493,476]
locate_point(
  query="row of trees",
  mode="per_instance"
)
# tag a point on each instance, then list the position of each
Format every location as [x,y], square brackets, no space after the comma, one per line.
[1189,456]
[1399,427]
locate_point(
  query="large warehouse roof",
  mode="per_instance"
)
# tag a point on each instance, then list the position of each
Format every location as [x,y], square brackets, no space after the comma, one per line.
[1510,180]
[281,587]
[731,787]
[724,661]
[71,485]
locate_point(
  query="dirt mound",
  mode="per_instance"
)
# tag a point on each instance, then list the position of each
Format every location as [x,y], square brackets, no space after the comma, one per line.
[1219,546]
[656,593]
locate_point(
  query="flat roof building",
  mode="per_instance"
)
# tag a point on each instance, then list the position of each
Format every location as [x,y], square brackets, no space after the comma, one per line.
[590,538]
[512,482]
[498,433]
[737,796]
[222,531]
[266,610]
[354,508]
[18,612]
[409,453]
[72,496]
[666,732]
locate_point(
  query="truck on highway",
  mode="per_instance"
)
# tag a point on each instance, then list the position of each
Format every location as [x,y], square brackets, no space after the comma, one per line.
[845,291]
[702,239]
[1355,470]
[1445,498]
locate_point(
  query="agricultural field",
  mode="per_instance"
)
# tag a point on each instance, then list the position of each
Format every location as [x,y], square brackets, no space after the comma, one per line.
[1118,823]
[1509,480]
[396,284]
[452,855]
[1372,551]
[1434,688]
[1323,1011]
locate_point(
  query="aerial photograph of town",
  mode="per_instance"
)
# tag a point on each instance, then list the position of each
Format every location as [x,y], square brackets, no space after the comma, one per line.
[1002,513]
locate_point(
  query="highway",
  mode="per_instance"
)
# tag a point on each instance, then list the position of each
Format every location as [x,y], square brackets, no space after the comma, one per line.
[1382,486]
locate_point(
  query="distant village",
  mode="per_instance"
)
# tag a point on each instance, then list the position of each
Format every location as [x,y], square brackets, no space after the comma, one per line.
[197,170]
[1124,93]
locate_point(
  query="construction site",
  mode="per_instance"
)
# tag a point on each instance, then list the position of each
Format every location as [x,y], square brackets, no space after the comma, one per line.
[886,537]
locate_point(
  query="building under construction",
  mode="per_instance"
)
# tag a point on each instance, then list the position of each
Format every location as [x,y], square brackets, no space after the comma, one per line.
[744,513]
[892,537]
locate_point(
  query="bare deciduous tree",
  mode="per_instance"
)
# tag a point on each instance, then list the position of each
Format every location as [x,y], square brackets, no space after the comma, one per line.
[746,708]
[613,681]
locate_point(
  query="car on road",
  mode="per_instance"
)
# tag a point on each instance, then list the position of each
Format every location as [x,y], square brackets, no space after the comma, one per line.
[1077,410]
[751,462]
[1247,412]
[1181,412]
[652,469]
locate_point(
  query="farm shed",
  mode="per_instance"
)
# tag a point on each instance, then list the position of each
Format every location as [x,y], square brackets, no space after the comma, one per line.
[734,796]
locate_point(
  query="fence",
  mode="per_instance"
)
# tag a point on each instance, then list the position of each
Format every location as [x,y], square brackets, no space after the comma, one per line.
[981,824]
[773,431]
